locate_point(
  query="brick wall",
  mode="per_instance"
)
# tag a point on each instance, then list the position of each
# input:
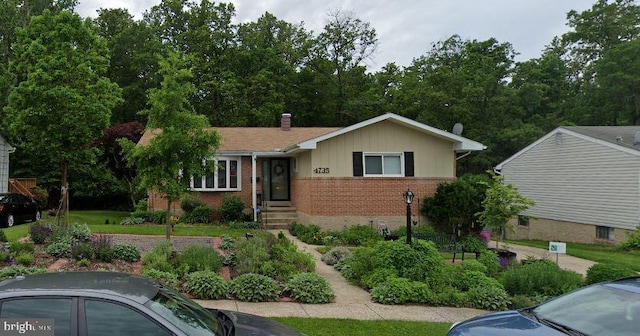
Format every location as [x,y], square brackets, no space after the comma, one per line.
[552,230]
[359,196]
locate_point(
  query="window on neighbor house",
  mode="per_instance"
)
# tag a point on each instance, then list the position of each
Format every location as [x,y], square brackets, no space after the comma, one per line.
[387,164]
[523,220]
[225,176]
[604,232]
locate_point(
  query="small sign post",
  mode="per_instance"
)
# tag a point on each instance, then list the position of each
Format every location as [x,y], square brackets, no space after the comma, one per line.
[557,248]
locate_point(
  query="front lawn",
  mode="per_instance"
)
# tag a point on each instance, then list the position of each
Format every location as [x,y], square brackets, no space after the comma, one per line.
[606,254]
[322,326]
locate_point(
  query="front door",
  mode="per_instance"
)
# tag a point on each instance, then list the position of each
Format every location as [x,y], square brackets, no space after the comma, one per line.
[275,173]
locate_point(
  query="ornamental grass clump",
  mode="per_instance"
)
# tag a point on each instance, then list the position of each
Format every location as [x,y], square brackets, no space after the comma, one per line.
[253,287]
[309,288]
[206,285]
[335,255]
[607,272]
[199,258]
[542,277]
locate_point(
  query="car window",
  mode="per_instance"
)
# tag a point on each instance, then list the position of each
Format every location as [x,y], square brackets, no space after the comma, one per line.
[58,309]
[109,319]
[20,199]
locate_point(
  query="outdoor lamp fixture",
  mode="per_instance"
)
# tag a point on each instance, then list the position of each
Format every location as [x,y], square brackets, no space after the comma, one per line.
[408,198]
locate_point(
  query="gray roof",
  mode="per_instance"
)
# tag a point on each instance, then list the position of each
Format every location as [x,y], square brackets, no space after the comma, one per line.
[620,135]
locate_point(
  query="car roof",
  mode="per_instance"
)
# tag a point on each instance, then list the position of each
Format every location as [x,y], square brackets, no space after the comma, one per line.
[125,285]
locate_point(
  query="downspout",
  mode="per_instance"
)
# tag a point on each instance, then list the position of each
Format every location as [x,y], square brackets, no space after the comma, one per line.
[254,188]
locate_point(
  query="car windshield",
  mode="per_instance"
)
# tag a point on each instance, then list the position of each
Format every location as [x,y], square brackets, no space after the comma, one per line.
[607,309]
[185,314]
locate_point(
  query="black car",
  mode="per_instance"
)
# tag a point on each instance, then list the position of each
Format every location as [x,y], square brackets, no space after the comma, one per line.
[111,303]
[16,208]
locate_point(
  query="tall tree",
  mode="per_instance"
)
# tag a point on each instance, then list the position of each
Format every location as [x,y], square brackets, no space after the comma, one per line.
[64,100]
[133,50]
[181,142]
[339,53]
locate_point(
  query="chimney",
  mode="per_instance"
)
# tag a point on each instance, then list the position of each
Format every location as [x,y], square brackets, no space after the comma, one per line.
[285,122]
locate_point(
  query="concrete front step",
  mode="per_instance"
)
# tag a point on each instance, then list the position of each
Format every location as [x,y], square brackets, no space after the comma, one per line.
[275,226]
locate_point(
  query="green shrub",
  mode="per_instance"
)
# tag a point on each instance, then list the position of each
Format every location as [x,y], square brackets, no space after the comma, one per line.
[421,293]
[633,240]
[490,260]
[20,247]
[201,214]
[295,228]
[12,271]
[189,203]
[472,279]
[360,234]
[474,265]
[39,233]
[80,232]
[158,217]
[449,297]
[393,291]
[231,207]
[206,285]
[377,277]
[102,248]
[309,288]
[200,258]
[335,255]
[359,264]
[159,257]
[473,244]
[3,237]
[126,252]
[166,278]
[607,272]
[81,250]
[141,209]
[488,297]
[24,258]
[414,262]
[226,242]
[541,278]
[59,249]
[83,262]
[309,234]
[251,255]
[253,287]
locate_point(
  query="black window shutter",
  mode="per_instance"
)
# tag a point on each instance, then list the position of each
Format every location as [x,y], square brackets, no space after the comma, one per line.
[408,163]
[357,164]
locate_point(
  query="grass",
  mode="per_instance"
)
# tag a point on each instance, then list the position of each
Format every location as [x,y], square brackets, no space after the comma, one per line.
[322,326]
[97,219]
[606,254]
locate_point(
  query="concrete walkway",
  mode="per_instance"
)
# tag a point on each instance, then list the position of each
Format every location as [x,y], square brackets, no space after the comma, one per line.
[355,303]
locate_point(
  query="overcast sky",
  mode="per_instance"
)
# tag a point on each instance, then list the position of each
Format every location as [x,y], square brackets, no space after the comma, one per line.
[408,28]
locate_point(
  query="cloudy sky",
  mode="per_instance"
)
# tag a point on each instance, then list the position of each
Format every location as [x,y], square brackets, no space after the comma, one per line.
[408,28]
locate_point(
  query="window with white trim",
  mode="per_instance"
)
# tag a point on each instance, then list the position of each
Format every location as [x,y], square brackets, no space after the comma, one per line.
[224,177]
[383,164]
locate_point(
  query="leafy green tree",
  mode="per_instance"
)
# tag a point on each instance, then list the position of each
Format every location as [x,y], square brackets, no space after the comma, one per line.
[457,202]
[501,204]
[64,100]
[181,141]
[338,54]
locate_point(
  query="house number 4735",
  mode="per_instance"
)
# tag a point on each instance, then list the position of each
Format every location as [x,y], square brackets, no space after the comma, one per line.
[322,170]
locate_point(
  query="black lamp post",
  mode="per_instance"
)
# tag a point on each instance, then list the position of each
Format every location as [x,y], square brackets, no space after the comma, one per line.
[408,198]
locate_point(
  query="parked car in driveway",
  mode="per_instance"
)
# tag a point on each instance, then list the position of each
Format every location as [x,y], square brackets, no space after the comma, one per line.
[111,303]
[607,309]
[16,208]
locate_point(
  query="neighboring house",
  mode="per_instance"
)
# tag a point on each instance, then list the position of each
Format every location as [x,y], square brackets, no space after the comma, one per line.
[585,181]
[5,150]
[330,176]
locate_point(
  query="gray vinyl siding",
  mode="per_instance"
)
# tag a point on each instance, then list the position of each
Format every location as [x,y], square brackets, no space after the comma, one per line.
[578,181]
[4,166]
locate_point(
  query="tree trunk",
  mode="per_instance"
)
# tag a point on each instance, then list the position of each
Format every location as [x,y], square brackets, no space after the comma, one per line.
[64,209]
[168,219]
